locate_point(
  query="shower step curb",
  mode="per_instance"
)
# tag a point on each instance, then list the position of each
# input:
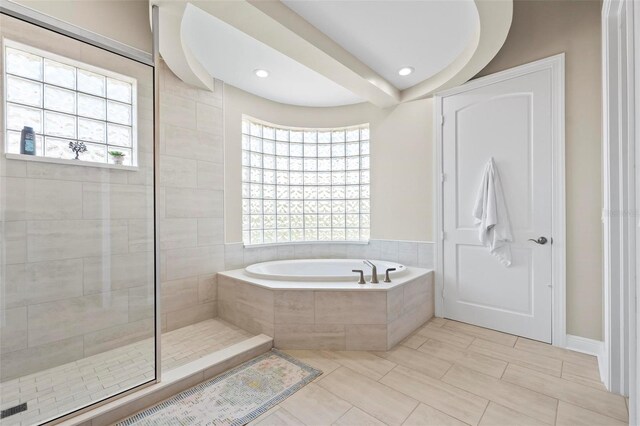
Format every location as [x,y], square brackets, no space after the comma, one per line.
[173,382]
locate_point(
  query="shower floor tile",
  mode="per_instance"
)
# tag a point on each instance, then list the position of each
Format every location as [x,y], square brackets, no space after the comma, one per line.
[56,391]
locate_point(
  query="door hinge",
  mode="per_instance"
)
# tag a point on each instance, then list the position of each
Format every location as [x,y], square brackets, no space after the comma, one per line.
[443,177]
[443,235]
[442,120]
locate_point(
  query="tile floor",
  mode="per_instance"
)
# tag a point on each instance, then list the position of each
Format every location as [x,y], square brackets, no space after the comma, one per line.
[53,392]
[450,373]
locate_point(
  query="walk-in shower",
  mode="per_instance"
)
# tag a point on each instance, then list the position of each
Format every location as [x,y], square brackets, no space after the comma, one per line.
[77,286]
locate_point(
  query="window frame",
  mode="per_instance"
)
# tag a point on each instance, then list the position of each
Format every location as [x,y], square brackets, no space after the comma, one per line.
[77,65]
[246,198]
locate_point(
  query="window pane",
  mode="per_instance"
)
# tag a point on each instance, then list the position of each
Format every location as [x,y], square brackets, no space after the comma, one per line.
[118,90]
[59,74]
[92,83]
[24,64]
[20,116]
[95,152]
[59,125]
[118,135]
[59,148]
[118,113]
[92,107]
[91,130]
[59,99]
[364,147]
[24,91]
[256,129]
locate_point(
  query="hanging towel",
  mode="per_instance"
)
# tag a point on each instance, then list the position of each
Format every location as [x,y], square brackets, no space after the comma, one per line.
[490,214]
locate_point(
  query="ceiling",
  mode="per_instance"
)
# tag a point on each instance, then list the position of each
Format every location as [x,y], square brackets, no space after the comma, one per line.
[232,56]
[389,35]
[332,52]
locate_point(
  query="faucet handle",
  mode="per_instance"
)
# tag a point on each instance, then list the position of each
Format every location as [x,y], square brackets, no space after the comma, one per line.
[361,281]
[386,275]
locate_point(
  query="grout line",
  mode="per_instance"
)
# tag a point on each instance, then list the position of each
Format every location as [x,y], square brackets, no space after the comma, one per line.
[486,407]
[412,411]
[504,371]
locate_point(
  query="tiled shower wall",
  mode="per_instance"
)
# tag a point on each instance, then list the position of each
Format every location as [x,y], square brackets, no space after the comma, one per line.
[190,200]
[76,250]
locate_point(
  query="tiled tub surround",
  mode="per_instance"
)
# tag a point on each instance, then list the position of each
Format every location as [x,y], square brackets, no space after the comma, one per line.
[76,241]
[328,315]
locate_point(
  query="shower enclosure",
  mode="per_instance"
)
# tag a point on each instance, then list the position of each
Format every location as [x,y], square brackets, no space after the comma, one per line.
[77,229]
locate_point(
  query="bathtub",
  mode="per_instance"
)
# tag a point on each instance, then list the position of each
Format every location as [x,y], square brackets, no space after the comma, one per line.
[321,270]
[318,303]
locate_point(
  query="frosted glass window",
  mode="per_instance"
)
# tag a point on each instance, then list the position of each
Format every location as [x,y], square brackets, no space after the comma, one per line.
[92,83]
[302,185]
[23,91]
[59,74]
[58,99]
[65,101]
[92,106]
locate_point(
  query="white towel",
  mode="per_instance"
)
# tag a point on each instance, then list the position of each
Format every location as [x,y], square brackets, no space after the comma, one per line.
[490,214]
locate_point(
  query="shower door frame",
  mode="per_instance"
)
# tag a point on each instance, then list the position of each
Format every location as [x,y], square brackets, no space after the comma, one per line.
[50,23]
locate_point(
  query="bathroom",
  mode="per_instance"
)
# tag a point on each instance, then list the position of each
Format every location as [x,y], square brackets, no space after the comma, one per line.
[197,195]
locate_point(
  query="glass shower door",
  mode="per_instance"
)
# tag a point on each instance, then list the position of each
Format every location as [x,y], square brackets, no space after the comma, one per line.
[77,297]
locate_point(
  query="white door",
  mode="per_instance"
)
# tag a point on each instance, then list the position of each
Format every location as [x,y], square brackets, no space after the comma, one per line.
[509,118]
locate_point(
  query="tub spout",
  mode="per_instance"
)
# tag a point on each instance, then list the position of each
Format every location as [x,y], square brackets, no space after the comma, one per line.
[374,271]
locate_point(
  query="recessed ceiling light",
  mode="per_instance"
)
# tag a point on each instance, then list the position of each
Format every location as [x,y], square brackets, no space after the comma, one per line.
[262,73]
[404,71]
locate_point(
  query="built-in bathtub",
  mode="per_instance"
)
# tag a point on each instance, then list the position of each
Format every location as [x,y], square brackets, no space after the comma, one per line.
[318,303]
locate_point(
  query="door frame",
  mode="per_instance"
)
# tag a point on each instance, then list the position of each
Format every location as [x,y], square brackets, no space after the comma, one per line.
[556,65]
[621,156]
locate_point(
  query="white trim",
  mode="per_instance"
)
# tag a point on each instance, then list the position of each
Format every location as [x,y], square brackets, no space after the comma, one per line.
[556,65]
[589,347]
[67,162]
[620,201]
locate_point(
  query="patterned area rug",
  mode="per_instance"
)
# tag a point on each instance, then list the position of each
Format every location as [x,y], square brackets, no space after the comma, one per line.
[233,398]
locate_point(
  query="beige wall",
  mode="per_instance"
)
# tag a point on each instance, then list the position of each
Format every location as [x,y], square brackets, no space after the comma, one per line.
[126,21]
[545,28]
[401,159]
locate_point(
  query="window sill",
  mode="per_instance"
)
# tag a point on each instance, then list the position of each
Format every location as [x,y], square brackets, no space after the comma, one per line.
[39,159]
[299,243]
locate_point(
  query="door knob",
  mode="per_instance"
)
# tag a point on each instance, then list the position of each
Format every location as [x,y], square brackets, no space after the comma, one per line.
[541,240]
